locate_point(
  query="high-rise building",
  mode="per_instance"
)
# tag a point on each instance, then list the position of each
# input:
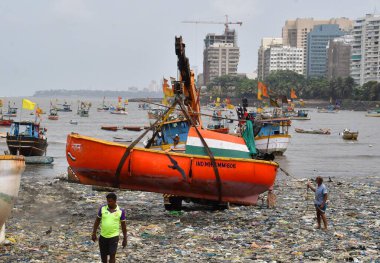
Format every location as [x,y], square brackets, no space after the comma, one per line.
[365,57]
[339,57]
[294,33]
[220,55]
[279,57]
[266,42]
[317,42]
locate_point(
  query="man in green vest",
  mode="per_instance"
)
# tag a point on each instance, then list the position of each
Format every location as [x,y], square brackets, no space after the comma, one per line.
[110,216]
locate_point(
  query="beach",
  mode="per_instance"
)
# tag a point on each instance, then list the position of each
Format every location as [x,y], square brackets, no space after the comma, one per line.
[52,222]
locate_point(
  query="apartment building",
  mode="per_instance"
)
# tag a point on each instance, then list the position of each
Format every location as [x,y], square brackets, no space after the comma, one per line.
[317,42]
[295,32]
[280,57]
[365,57]
[266,42]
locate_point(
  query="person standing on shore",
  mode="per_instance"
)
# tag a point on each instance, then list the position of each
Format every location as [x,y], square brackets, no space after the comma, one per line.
[110,216]
[320,201]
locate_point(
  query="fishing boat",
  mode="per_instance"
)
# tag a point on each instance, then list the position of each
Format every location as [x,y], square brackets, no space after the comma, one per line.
[144,106]
[214,167]
[329,109]
[110,128]
[217,123]
[133,128]
[12,110]
[350,135]
[11,168]
[121,108]
[312,131]
[118,111]
[373,113]
[83,109]
[273,137]
[104,107]
[53,115]
[27,138]
[121,139]
[155,113]
[65,107]
[5,121]
[300,115]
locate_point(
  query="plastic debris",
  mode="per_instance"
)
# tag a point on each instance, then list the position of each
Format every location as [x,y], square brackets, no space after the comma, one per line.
[285,233]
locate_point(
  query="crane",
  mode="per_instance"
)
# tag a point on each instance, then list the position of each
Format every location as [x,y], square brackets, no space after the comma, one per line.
[226,23]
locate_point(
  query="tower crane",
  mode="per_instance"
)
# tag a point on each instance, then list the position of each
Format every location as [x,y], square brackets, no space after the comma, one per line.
[226,23]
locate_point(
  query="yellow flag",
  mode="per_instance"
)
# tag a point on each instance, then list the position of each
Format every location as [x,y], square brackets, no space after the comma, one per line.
[28,105]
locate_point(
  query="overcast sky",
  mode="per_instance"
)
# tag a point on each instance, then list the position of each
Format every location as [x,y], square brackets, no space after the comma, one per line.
[94,44]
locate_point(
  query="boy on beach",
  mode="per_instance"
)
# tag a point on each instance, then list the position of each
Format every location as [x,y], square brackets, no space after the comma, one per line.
[320,201]
[110,216]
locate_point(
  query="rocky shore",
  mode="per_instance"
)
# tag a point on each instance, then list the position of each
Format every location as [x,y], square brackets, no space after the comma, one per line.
[52,222]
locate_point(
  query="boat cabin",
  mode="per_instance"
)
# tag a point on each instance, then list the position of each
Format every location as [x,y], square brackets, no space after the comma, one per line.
[271,127]
[169,131]
[27,129]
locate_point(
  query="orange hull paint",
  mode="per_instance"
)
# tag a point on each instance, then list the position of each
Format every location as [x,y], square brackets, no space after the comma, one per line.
[94,162]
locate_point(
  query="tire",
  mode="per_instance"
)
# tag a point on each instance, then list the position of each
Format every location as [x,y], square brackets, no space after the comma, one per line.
[175,204]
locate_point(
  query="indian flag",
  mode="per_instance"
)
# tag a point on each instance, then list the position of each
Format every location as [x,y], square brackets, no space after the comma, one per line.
[220,144]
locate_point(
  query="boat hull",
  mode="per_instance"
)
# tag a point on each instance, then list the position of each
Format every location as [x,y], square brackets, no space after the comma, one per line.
[26,146]
[277,144]
[11,168]
[94,162]
[53,117]
[374,114]
[350,135]
[6,122]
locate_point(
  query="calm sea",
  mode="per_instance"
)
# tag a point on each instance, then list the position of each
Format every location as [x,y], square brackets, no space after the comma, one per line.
[308,155]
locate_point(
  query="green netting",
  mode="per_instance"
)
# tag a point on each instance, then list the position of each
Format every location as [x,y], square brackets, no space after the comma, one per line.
[248,137]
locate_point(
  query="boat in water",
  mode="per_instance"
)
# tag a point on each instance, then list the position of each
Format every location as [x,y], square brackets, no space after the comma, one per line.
[373,113]
[133,128]
[5,121]
[313,131]
[213,167]
[273,137]
[12,110]
[27,138]
[104,107]
[65,107]
[84,109]
[11,168]
[300,115]
[350,135]
[329,109]
[217,123]
[110,128]
[53,114]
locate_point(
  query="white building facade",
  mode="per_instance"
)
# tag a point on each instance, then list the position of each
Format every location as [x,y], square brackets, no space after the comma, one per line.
[365,58]
[279,57]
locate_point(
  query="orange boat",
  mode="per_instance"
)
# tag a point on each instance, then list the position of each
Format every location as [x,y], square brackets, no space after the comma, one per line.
[181,174]
[180,159]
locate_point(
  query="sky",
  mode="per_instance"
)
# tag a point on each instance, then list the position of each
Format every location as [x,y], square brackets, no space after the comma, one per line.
[113,45]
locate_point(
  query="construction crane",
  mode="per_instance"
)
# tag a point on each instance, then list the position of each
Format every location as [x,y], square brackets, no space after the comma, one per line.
[226,23]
